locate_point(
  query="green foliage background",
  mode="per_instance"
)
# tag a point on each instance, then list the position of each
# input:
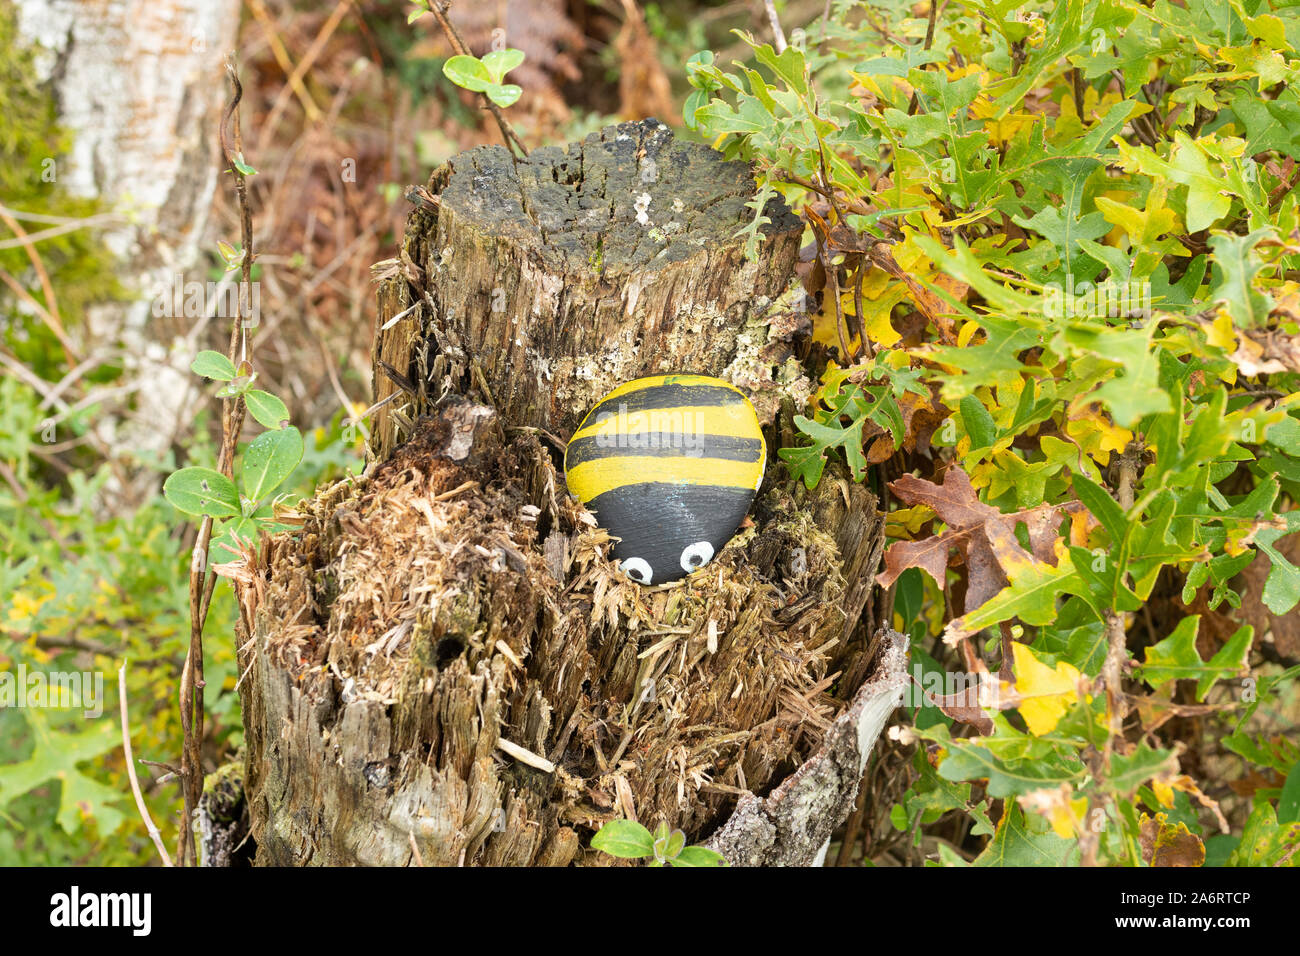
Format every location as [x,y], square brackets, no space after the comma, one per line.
[968,175]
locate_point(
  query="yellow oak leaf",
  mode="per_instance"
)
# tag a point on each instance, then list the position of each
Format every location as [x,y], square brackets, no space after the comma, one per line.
[1081,524]
[1044,693]
[1066,819]
[25,606]
[906,522]
[1000,129]
[875,314]
[1065,815]
[1221,333]
[1097,435]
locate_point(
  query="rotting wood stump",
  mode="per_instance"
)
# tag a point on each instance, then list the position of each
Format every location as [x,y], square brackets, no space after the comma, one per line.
[545,285]
[443,665]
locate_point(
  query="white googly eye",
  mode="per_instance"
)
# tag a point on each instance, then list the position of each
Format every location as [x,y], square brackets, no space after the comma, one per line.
[696,556]
[638,569]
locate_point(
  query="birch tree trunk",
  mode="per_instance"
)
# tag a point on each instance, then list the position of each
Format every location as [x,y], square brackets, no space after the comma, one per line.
[140,87]
[443,666]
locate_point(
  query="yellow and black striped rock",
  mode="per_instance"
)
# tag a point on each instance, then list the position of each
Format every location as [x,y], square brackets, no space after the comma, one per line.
[670,465]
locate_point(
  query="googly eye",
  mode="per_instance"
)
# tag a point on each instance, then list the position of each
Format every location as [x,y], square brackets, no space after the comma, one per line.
[696,556]
[638,569]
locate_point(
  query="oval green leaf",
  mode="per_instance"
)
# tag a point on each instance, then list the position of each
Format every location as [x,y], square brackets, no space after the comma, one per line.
[213,365]
[699,856]
[697,99]
[506,95]
[266,408]
[468,72]
[269,459]
[234,536]
[202,491]
[625,839]
[500,62]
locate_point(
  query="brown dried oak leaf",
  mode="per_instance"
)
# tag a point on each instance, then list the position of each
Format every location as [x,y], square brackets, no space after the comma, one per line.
[983,535]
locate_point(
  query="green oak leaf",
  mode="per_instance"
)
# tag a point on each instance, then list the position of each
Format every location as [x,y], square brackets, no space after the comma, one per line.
[1236,277]
[1282,587]
[1023,840]
[1265,841]
[1176,657]
[1128,772]
[53,762]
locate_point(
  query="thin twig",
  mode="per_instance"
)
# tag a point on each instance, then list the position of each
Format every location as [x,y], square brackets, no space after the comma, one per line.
[149,825]
[202,579]
[46,315]
[47,288]
[284,60]
[299,72]
[930,23]
[1285,186]
[829,267]
[859,274]
[852,205]
[929,40]
[778,35]
[439,10]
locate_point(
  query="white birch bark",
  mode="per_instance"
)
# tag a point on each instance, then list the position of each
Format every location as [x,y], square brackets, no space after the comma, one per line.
[140,87]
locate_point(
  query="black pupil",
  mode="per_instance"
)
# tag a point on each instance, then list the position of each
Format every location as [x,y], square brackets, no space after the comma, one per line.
[695,560]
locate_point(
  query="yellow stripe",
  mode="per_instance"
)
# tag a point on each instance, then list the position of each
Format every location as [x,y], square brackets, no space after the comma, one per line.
[738,421]
[654,381]
[600,475]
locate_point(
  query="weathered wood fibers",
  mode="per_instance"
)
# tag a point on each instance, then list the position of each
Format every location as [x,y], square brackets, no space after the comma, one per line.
[399,636]
[793,826]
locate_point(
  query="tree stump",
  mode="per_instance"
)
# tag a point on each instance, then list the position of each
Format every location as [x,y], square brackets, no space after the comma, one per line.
[549,282]
[443,665]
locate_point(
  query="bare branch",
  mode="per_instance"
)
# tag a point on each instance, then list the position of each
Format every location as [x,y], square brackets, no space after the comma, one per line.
[778,35]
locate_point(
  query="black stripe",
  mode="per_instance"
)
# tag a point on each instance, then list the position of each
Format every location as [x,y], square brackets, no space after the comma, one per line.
[671,445]
[697,499]
[670,396]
